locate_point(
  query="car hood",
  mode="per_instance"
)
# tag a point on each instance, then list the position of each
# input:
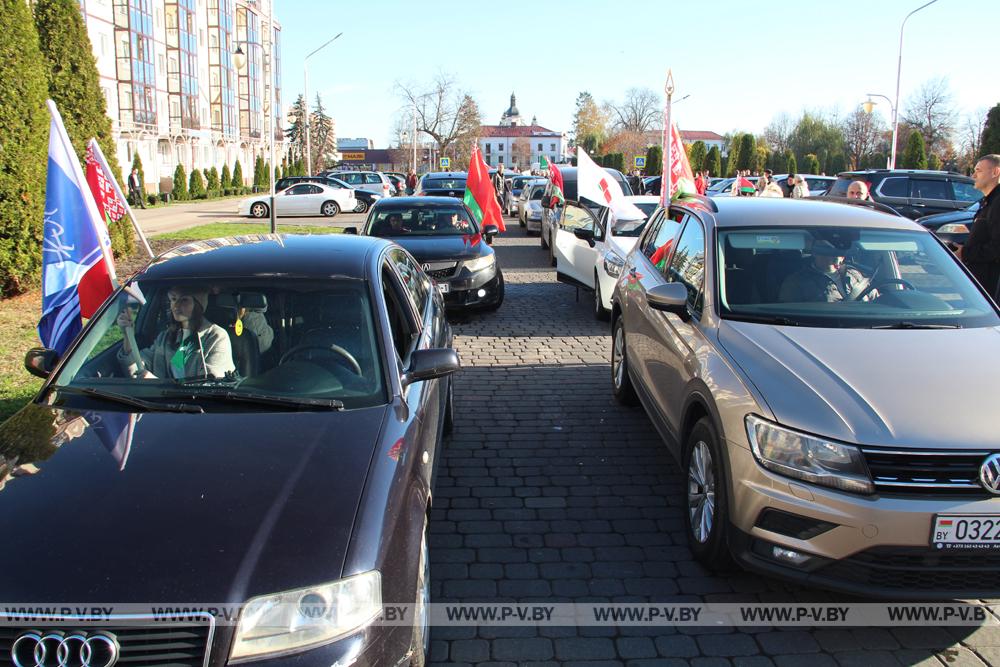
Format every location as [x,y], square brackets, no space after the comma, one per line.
[622,245]
[919,388]
[938,219]
[206,507]
[436,248]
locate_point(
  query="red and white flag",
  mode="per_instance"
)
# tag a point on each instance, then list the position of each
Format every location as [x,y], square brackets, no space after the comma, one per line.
[601,188]
[681,175]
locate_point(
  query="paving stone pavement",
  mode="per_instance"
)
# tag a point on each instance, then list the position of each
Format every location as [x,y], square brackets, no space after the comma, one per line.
[549,491]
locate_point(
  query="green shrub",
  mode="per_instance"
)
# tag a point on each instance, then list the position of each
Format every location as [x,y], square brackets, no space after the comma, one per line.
[915,156]
[196,185]
[180,183]
[237,181]
[212,180]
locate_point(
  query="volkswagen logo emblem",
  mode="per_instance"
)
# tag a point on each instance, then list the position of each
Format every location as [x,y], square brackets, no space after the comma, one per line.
[989,474]
[58,649]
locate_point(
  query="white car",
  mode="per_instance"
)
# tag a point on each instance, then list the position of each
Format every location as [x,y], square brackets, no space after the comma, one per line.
[301,199]
[529,206]
[590,248]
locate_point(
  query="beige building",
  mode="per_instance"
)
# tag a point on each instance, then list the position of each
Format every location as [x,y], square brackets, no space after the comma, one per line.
[173,92]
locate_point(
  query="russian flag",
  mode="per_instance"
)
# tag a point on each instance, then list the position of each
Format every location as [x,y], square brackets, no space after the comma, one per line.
[77,270]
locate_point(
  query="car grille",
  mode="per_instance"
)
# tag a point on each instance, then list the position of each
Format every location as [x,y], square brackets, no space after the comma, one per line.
[926,472]
[173,644]
[440,270]
[919,569]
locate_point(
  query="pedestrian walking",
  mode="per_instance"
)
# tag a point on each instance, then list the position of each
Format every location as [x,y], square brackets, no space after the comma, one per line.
[411,182]
[498,185]
[700,183]
[981,253]
[135,189]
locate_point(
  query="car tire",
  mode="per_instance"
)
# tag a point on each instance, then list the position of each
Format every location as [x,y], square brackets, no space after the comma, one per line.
[541,239]
[258,209]
[449,409]
[329,209]
[421,642]
[362,206]
[621,383]
[706,497]
[600,312]
[500,293]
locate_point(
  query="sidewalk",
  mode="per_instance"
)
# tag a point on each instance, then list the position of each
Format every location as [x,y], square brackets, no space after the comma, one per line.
[163,219]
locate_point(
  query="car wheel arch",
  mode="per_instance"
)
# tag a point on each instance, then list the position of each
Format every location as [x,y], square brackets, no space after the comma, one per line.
[696,406]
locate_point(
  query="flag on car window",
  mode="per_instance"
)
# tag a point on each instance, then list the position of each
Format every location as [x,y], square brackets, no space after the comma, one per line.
[77,270]
[480,195]
[681,175]
[555,177]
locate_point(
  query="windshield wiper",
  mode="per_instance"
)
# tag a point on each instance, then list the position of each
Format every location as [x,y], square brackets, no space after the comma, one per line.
[764,319]
[916,325]
[263,399]
[131,401]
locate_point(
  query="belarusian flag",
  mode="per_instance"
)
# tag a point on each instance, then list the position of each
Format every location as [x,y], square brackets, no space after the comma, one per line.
[543,163]
[555,176]
[480,196]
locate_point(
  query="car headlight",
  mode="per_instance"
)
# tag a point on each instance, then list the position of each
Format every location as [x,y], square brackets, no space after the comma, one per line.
[480,263]
[307,617]
[376,197]
[613,264]
[807,457]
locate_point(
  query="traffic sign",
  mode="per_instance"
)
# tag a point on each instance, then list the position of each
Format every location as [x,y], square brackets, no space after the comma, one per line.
[445,162]
[640,161]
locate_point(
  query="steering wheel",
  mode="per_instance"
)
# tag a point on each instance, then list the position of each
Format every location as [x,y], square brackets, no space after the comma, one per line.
[352,363]
[888,281]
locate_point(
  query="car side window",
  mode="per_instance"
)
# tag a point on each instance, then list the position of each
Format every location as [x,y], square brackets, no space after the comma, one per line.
[373,178]
[650,235]
[414,280]
[300,189]
[663,242]
[577,217]
[315,190]
[687,266]
[403,335]
[926,188]
[894,187]
[966,191]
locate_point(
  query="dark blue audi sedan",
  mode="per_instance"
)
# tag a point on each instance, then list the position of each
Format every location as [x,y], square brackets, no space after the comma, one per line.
[232,463]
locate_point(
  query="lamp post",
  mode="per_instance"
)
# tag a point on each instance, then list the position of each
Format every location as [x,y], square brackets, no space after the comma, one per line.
[668,136]
[899,71]
[305,86]
[869,105]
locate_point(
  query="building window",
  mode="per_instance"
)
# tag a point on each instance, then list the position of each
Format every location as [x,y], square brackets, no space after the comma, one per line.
[500,149]
[539,148]
[552,147]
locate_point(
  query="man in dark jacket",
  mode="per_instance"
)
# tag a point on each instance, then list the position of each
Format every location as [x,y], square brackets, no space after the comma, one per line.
[981,253]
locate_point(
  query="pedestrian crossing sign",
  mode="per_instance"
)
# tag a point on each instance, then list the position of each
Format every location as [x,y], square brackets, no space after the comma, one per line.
[445,162]
[640,161]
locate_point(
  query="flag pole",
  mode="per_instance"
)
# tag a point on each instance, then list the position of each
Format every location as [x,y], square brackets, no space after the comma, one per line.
[665,181]
[99,154]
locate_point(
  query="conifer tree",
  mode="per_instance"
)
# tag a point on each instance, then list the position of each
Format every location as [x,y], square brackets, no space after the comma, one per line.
[180,183]
[196,185]
[713,161]
[915,156]
[990,141]
[238,177]
[225,179]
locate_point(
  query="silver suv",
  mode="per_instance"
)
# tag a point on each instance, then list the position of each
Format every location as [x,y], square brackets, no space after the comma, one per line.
[827,375]
[373,181]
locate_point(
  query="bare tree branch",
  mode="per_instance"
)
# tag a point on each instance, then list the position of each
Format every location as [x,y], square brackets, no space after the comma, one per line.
[931,112]
[442,109]
[641,111]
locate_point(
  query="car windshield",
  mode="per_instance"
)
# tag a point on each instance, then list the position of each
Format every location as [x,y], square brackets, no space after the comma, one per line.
[719,186]
[537,192]
[634,227]
[845,277]
[422,221]
[337,183]
[444,184]
[230,345]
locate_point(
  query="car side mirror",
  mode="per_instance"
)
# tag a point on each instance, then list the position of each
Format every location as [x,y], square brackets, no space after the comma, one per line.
[431,364]
[670,298]
[585,234]
[489,231]
[41,361]
[351,230]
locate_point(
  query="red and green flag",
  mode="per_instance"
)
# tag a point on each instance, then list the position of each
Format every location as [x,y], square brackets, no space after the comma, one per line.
[480,196]
[555,177]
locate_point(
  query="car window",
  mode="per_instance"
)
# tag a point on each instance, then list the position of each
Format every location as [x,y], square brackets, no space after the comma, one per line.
[926,188]
[659,250]
[632,227]
[414,280]
[839,187]
[315,189]
[353,179]
[687,266]
[818,183]
[373,178]
[443,220]
[894,187]
[336,184]
[966,191]
[300,189]
[576,217]
[444,184]
[536,192]
[403,336]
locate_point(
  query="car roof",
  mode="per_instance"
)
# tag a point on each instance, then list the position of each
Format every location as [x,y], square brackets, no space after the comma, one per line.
[417,202]
[899,172]
[446,174]
[808,212]
[267,255]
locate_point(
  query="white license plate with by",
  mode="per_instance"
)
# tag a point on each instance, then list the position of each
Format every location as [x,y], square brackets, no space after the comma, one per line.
[444,288]
[958,531]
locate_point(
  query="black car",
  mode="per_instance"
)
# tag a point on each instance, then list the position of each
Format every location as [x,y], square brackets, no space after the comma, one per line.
[291,485]
[443,235]
[365,198]
[952,227]
[913,192]
[442,184]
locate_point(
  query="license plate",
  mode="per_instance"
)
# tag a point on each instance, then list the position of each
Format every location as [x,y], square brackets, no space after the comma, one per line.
[956,531]
[444,288]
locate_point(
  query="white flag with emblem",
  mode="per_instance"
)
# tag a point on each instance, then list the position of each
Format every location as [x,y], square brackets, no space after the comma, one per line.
[601,187]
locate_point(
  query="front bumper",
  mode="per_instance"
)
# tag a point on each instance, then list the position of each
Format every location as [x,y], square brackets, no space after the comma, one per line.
[533,221]
[876,545]
[463,289]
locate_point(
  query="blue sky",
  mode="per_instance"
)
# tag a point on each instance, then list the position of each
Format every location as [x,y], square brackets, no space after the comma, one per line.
[740,62]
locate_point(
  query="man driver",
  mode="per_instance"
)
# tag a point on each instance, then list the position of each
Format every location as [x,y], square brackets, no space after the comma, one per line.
[825,278]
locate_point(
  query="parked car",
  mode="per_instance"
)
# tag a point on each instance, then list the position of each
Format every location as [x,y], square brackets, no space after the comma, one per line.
[529,206]
[953,227]
[300,199]
[515,186]
[375,181]
[296,488]
[442,184]
[551,218]
[443,235]
[818,185]
[721,185]
[365,198]
[914,193]
[798,405]
[590,250]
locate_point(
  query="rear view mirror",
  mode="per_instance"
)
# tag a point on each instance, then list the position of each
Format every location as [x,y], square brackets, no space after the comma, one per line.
[351,230]
[585,234]
[431,364]
[670,298]
[41,361]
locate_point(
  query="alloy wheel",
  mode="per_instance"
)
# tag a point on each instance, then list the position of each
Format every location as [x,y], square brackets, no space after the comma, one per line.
[701,492]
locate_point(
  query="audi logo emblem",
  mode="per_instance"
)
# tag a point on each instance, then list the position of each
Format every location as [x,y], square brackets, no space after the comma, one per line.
[989,474]
[59,649]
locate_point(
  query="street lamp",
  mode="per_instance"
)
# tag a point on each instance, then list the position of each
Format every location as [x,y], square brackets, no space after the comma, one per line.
[899,71]
[239,58]
[869,105]
[305,86]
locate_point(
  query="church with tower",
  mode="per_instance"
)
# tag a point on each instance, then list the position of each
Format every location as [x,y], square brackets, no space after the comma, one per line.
[519,145]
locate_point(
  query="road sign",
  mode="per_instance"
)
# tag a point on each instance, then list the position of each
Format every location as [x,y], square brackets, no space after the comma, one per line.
[640,161]
[445,162]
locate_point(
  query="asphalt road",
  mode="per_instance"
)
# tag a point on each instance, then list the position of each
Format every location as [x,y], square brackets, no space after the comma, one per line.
[549,491]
